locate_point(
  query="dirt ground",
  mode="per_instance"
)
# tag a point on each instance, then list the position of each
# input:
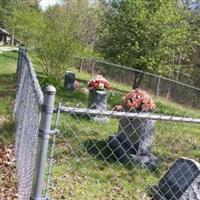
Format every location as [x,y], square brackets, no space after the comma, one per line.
[7,173]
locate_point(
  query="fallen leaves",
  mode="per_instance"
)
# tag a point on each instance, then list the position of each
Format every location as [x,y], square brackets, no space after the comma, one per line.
[7,173]
[3,120]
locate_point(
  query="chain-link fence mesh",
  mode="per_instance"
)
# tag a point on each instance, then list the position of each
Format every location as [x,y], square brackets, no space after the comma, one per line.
[28,100]
[101,154]
[124,156]
[159,86]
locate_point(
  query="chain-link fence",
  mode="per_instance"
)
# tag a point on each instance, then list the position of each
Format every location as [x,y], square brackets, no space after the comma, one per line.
[101,154]
[27,114]
[158,85]
[124,156]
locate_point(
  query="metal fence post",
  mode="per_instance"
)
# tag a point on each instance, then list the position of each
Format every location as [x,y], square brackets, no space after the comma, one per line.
[43,137]
[52,150]
[158,87]
[82,64]
[18,65]
[93,65]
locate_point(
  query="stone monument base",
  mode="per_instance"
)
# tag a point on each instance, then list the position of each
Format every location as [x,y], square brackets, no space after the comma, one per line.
[125,152]
[98,100]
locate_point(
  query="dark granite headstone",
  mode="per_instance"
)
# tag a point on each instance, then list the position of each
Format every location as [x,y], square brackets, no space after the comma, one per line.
[98,100]
[133,143]
[181,182]
[138,132]
[69,80]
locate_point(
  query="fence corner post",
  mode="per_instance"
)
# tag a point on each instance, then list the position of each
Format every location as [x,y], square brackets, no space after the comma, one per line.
[43,138]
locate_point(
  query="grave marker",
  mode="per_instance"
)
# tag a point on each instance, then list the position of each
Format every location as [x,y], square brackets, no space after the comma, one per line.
[98,100]
[181,182]
[69,80]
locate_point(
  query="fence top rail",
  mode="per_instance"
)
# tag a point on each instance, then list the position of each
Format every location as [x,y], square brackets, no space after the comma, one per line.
[117,114]
[35,82]
[140,71]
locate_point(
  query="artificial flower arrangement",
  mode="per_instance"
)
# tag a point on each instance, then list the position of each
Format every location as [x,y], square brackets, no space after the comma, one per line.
[76,84]
[136,100]
[99,83]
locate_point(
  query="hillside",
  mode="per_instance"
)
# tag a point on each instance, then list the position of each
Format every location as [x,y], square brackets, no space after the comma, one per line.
[8,61]
[83,165]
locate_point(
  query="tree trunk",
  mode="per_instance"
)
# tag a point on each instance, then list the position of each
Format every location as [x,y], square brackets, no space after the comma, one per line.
[137,79]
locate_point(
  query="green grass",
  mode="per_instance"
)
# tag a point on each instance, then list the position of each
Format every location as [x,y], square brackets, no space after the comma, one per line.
[78,98]
[84,165]
[8,62]
[85,168]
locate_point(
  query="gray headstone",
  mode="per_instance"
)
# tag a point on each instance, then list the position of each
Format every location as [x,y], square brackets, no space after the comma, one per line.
[98,100]
[133,143]
[181,182]
[139,132]
[69,80]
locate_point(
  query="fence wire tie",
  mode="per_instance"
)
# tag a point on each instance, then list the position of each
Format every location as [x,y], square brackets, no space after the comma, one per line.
[56,110]
[44,133]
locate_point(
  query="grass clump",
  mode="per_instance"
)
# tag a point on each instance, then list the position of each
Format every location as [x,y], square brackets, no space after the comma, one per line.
[8,61]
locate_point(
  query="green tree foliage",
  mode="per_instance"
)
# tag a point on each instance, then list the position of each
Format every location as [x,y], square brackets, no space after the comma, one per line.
[56,34]
[157,36]
[8,6]
[70,29]
[25,22]
[5,6]
[145,35]
[57,43]
[193,67]
[176,44]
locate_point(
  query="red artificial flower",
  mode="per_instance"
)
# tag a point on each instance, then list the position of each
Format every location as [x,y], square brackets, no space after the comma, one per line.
[138,100]
[99,83]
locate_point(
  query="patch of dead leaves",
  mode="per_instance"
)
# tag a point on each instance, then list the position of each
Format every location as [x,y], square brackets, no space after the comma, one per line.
[3,120]
[7,171]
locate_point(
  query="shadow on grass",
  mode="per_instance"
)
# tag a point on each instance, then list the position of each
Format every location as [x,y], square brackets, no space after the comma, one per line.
[7,129]
[63,95]
[100,149]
